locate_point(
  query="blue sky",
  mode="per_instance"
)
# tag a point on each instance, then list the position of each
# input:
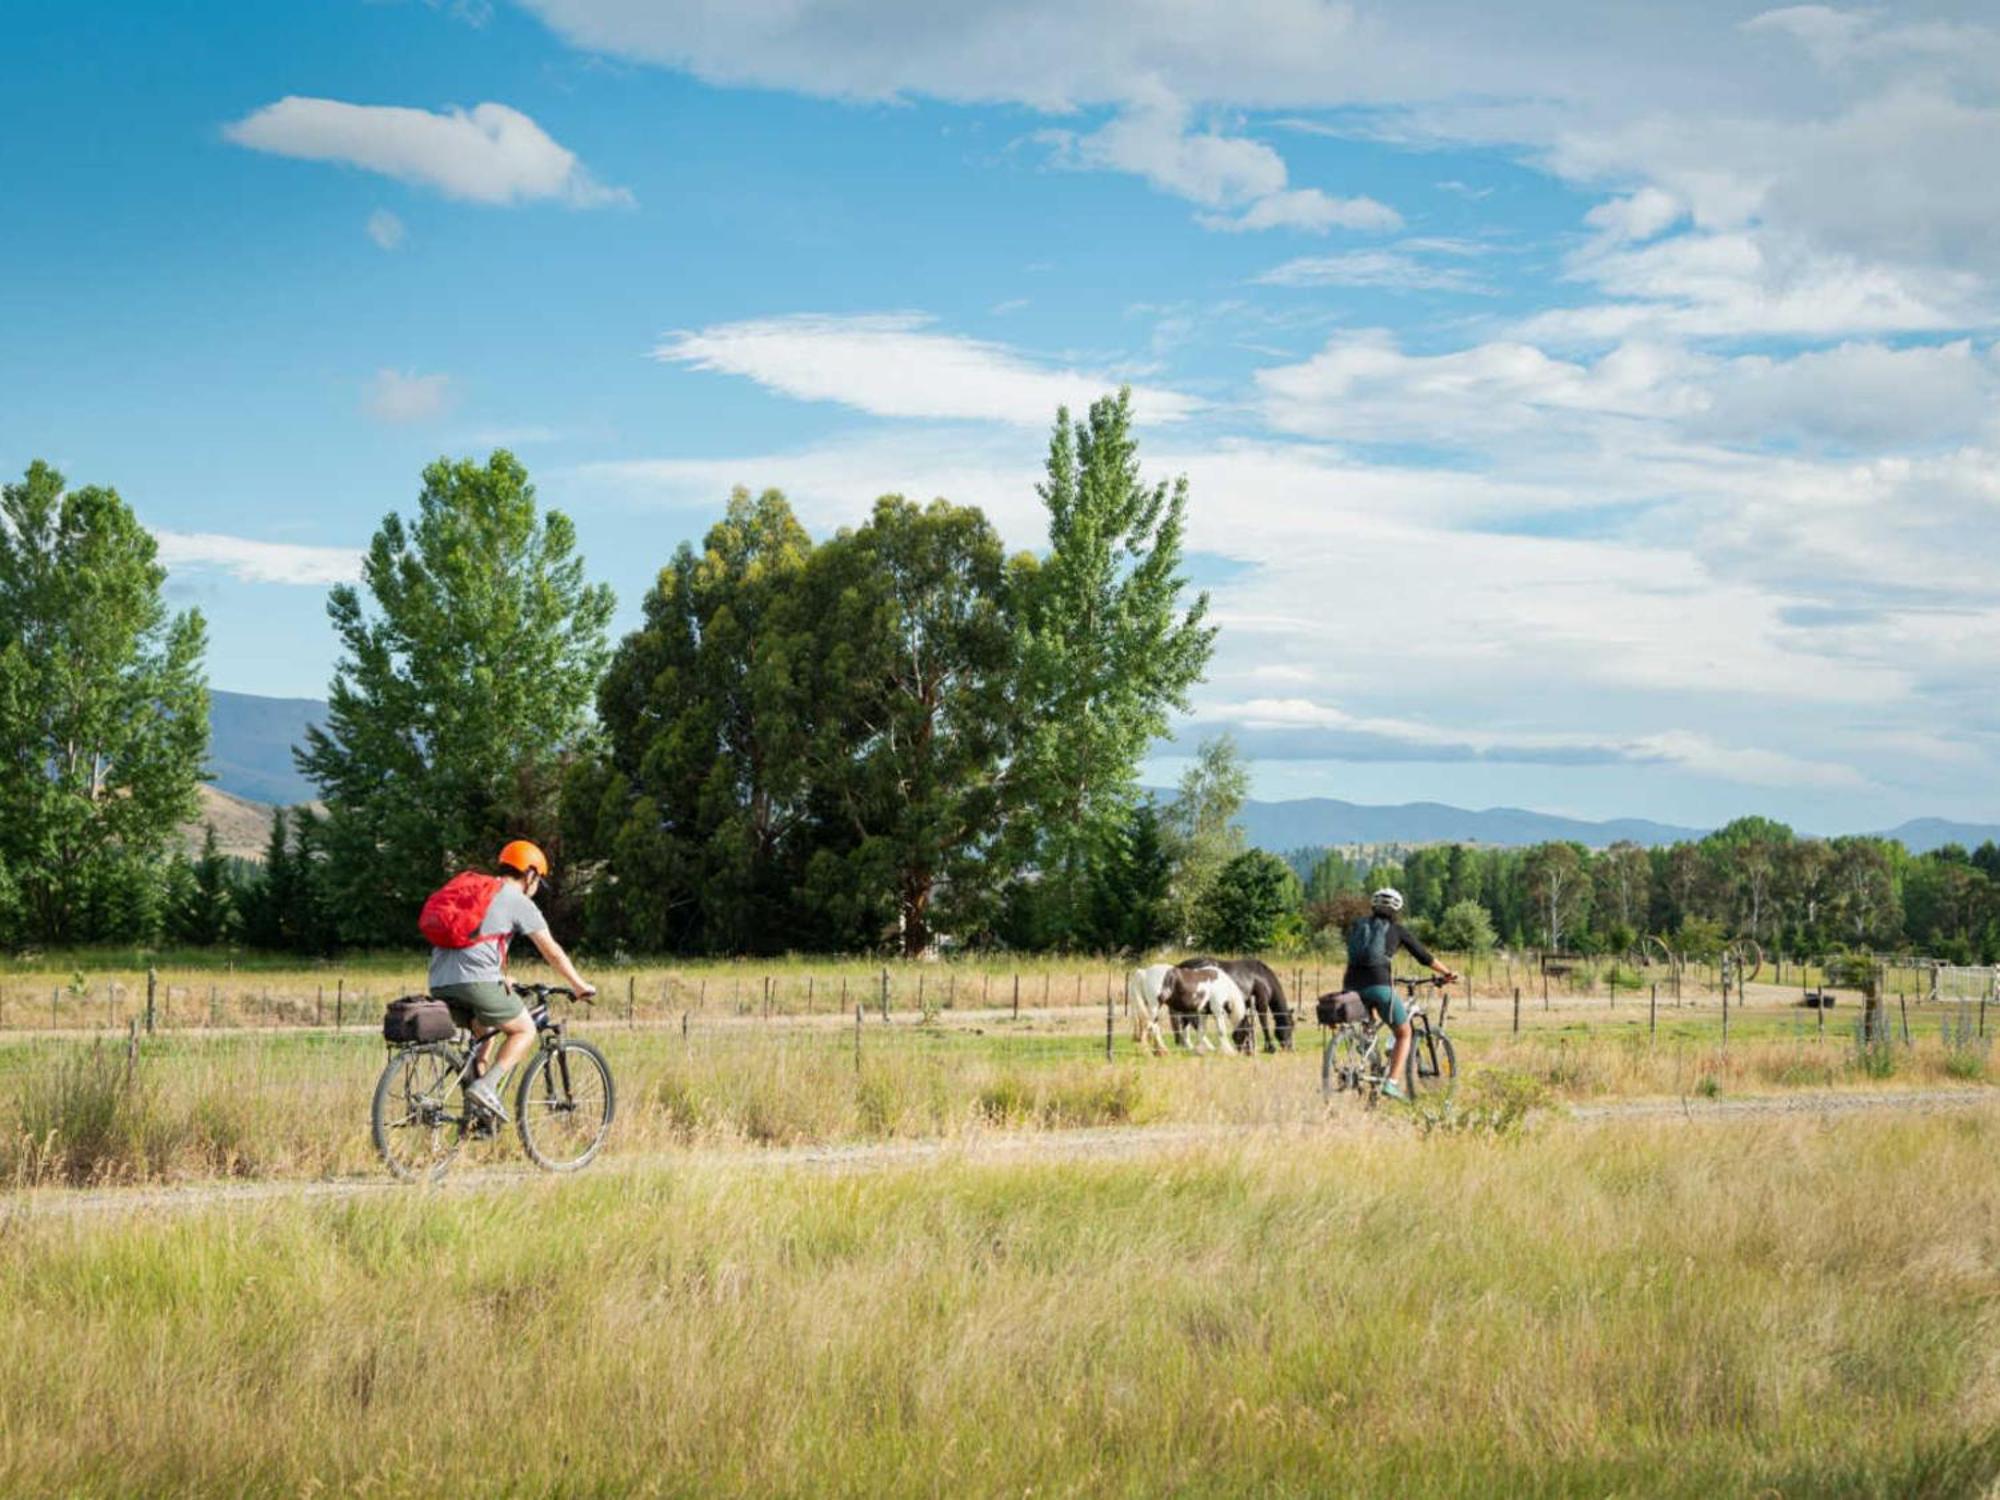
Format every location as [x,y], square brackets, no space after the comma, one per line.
[1590,408]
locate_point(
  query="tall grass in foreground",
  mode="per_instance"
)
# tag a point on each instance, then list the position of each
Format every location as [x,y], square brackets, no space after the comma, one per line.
[1787,1309]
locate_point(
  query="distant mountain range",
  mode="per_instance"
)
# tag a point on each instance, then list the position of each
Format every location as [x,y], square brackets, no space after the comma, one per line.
[250,746]
[250,757]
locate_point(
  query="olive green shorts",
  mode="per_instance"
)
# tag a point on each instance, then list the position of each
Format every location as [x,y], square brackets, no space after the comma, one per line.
[488,1001]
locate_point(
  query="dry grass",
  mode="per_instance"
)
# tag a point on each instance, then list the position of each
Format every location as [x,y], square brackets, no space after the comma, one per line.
[1787,1309]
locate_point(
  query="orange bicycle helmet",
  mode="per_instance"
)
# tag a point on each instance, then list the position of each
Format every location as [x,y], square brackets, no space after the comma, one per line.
[524,856]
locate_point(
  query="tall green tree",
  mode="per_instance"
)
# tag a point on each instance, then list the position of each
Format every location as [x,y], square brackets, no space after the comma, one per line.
[103,710]
[207,912]
[918,667]
[699,815]
[458,695]
[1109,647]
[1556,877]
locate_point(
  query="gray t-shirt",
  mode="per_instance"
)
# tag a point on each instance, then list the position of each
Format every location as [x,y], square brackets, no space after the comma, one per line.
[511,913]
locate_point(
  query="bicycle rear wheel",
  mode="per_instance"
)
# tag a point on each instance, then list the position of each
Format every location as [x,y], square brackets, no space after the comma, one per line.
[1343,1063]
[417,1128]
[565,1105]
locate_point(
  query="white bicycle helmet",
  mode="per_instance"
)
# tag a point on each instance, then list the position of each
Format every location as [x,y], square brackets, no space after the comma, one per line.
[1388,899]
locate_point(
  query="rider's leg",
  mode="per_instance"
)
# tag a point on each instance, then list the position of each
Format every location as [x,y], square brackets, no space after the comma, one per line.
[1400,1058]
[519,1036]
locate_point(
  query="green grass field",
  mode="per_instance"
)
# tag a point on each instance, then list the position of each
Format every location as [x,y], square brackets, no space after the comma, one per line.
[1790,1308]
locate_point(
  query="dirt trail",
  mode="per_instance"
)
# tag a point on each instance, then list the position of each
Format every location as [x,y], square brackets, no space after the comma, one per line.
[1101,1142]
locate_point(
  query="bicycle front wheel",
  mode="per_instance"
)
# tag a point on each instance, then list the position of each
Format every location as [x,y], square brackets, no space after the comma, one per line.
[416,1127]
[565,1106]
[1433,1066]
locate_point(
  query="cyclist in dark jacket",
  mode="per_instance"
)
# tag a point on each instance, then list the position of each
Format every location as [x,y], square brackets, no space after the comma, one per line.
[1372,945]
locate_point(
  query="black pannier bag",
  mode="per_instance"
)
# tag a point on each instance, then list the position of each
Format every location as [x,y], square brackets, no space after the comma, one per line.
[1341,1009]
[417,1018]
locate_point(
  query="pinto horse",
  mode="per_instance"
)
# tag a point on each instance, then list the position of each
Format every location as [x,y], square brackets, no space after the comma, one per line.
[1266,993]
[1188,994]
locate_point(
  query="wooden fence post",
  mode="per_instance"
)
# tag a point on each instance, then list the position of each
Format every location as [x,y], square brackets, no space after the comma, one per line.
[1653,1014]
[1725,1014]
[1109,1024]
[1517,1010]
[885,992]
[1017,997]
[631,1000]
[54,995]
[339,1002]
[152,986]
[857,1038]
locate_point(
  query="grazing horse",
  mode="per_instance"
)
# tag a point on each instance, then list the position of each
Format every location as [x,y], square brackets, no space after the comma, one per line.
[1191,993]
[1266,992]
[1142,997]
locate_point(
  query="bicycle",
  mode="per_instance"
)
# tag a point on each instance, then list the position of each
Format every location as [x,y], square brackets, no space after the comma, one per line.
[563,1105]
[1358,1052]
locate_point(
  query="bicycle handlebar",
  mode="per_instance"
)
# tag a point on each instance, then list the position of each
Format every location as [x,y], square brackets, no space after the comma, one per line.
[1436,981]
[545,991]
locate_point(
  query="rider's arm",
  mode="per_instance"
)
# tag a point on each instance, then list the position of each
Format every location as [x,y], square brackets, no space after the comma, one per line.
[1422,955]
[552,952]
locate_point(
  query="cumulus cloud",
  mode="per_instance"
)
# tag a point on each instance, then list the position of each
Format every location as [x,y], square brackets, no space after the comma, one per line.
[488,154]
[896,365]
[258,562]
[399,397]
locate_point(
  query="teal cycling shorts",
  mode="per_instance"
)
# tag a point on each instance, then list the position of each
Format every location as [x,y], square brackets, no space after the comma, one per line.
[1389,1007]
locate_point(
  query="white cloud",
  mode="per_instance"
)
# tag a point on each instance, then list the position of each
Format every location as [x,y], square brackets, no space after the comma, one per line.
[398,397]
[1307,729]
[488,154]
[385,229]
[258,562]
[1307,209]
[893,365]
[1639,217]
[1395,270]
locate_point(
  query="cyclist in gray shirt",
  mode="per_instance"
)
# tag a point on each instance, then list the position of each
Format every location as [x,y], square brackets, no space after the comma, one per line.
[472,980]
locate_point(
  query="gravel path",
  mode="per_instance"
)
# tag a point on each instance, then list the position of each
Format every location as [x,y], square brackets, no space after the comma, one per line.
[1096,1143]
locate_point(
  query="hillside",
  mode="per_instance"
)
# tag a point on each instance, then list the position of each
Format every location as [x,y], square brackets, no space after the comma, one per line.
[242,827]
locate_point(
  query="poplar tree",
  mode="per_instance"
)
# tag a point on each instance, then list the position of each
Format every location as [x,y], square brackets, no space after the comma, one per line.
[458,695]
[1108,649]
[103,712]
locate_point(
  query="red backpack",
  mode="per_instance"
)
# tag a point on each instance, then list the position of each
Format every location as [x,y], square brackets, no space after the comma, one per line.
[453,913]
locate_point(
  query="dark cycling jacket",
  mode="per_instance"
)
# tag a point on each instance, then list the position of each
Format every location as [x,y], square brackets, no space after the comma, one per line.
[1362,974]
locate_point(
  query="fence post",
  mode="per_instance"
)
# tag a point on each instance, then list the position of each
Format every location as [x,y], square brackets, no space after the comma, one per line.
[1517,1010]
[340,1002]
[54,995]
[885,992]
[767,997]
[131,1050]
[857,1038]
[1017,997]
[1653,1013]
[1725,1013]
[1903,1006]
[920,993]
[152,985]
[319,1004]
[1108,1025]
[809,994]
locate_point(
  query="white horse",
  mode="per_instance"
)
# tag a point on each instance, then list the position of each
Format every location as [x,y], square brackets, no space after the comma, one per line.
[1195,993]
[1142,999]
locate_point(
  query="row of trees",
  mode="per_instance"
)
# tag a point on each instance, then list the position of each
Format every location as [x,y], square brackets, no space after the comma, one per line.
[862,742]
[1753,878]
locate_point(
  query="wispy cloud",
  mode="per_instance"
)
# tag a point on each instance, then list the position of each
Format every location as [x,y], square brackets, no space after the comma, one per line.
[1393,270]
[400,397]
[895,365]
[385,229]
[488,154]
